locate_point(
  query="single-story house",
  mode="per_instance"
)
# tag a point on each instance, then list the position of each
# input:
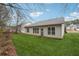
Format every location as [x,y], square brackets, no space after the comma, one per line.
[48,28]
[72,28]
[23,29]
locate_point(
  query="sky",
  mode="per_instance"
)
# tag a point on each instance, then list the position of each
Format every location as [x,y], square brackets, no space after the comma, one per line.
[40,12]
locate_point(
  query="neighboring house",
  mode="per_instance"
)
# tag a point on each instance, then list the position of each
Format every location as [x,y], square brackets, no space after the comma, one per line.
[11,28]
[20,28]
[72,27]
[77,27]
[49,28]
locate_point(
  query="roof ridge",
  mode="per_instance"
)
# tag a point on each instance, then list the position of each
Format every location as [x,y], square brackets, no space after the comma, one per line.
[49,19]
[53,21]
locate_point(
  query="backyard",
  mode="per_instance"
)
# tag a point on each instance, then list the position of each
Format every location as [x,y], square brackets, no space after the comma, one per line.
[28,45]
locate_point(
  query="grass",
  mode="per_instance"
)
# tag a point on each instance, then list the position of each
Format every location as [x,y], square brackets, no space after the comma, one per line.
[28,45]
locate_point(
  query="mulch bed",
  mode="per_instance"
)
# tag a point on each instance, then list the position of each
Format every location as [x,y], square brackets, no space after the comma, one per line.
[6,46]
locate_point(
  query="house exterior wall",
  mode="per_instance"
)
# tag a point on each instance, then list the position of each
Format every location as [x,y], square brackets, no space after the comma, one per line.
[59,31]
[31,32]
[23,30]
[62,30]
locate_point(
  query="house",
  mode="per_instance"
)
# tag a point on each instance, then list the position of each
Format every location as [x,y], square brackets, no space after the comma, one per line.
[23,30]
[49,28]
[72,28]
[77,27]
[11,28]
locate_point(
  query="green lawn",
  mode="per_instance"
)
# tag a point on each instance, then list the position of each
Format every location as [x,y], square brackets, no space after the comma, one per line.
[41,46]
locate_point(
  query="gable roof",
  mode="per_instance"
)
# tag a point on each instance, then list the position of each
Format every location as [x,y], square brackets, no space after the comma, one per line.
[53,21]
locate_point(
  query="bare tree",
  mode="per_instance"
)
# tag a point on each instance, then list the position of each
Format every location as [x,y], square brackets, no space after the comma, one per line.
[20,11]
[4,15]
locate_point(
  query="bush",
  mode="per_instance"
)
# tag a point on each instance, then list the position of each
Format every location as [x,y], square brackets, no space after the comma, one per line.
[1,30]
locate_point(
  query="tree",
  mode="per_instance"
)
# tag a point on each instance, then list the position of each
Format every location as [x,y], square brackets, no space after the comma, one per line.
[20,12]
[19,17]
[4,16]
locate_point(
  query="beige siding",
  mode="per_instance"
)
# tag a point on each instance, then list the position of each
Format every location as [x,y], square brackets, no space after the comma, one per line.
[59,31]
[62,30]
[31,32]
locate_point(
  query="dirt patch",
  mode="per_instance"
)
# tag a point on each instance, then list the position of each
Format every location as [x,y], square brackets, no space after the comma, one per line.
[6,46]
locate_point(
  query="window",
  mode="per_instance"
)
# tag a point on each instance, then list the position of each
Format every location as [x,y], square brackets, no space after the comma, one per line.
[51,30]
[27,29]
[35,30]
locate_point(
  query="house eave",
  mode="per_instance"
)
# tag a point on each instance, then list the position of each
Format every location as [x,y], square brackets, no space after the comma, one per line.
[43,25]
